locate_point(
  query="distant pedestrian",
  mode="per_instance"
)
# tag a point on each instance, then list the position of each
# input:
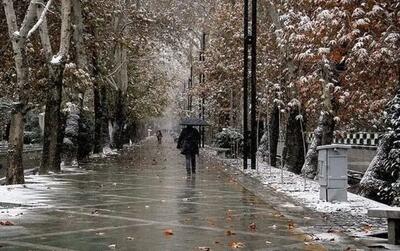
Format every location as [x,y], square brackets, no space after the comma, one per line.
[159,136]
[188,142]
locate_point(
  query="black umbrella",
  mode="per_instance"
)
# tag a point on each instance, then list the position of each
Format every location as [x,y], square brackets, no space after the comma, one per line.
[194,122]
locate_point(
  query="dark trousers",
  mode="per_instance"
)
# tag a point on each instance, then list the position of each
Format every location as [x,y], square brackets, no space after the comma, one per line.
[190,163]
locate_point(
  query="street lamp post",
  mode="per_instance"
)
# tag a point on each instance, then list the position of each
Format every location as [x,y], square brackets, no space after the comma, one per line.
[250,40]
[202,81]
[245,82]
[254,84]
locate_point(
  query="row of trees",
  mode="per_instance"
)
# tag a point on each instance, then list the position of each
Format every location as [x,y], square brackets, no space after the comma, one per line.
[76,58]
[324,66]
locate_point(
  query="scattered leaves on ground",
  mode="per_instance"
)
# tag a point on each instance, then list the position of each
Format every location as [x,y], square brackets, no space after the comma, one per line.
[253,226]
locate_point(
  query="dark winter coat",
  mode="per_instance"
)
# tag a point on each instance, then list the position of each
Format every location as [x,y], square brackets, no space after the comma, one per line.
[189,141]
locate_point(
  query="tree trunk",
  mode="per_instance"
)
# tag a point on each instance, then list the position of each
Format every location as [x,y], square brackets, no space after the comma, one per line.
[381,180]
[294,158]
[53,125]
[377,182]
[98,120]
[79,153]
[274,134]
[52,144]
[101,131]
[71,134]
[15,171]
[120,120]
[18,38]
[121,75]
[323,135]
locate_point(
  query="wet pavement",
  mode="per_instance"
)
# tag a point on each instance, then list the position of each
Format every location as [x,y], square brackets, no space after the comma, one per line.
[144,201]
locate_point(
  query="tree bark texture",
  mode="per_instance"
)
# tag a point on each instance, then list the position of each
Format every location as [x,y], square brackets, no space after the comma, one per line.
[377,182]
[274,134]
[381,181]
[52,145]
[54,125]
[294,158]
[120,119]
[74,123]
[121,75]
[15,171]
[98,119]
[323,135]
[71,134]
[18,37]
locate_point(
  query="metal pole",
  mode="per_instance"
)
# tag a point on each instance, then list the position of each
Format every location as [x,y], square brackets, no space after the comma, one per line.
[245,82]
[254,84]
[203,129]
[190,88]
[202,81]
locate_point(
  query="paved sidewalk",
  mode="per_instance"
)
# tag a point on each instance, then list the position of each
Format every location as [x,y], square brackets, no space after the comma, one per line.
[143,201]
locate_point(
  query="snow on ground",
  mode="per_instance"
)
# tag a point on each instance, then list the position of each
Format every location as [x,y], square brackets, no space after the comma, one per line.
[351,214]
[15,200]
[307,191]
[32,193]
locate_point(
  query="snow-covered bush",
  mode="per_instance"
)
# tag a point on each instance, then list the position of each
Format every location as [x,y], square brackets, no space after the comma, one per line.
[227,138]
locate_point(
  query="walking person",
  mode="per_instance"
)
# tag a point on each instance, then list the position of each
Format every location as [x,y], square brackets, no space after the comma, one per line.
[159,136]
[188,142]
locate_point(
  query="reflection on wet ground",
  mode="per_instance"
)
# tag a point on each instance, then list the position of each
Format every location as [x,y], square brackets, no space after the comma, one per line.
[143,201]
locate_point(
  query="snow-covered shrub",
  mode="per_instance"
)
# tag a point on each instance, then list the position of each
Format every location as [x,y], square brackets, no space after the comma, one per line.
[227,138]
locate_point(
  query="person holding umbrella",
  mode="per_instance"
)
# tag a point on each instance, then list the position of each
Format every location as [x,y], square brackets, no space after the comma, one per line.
[188,143]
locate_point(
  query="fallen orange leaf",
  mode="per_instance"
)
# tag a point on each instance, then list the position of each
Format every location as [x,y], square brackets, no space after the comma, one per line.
[236,244]
[168,232]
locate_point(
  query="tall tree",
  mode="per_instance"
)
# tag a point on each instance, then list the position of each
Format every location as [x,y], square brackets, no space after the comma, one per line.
[53,128]
[19,37]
